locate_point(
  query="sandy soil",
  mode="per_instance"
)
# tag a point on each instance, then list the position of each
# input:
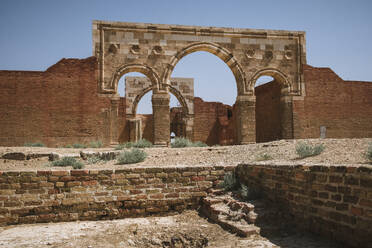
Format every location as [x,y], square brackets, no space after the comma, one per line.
[337,151]
[182,230]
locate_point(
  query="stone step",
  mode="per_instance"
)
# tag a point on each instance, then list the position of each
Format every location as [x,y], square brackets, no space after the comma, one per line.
[235,216]
[241,228]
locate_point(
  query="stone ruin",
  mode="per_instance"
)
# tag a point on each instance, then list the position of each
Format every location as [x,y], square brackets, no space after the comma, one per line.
[76,100]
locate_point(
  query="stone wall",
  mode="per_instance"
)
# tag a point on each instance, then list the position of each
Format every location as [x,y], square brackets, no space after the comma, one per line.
[62,106]
[335,201]
[268,114]
[147,128]
[57,107]
[344,108]
[211,122]
[45,196]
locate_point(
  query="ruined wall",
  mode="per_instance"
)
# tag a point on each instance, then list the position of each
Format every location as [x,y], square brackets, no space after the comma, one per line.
[61,106]
[57,107]
[147,127]
[123,126]
[177,124]
[268,115]
[210,118]
[45,196]
[334,201]
[343,107]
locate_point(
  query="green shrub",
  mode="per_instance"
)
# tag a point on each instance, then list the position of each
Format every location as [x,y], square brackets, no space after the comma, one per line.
[229,181]
[369,153]
[143,143]
[199,144]
[124,145]
[68,146]
[248,193]
[244,192]
[68,161]
[132,156]
[264,157]
[180,142]
[93,159]
[304,150]
[95,144]
[119,147]
[37,144]
[78,145]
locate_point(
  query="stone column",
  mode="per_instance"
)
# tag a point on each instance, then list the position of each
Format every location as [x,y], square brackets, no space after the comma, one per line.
[189,127]
[286,119]
[161,118]
[246,119]
[135,129]
[114,112]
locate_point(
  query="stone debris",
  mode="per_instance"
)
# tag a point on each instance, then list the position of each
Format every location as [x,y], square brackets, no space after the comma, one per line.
[106,155]
[56,156]
[14,156]
[235,216]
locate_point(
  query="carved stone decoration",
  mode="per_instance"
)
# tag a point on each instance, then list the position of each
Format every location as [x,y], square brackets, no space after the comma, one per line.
[268,55]
[157,50]
[135,49]
[113,48]
[250,53]
[288,54]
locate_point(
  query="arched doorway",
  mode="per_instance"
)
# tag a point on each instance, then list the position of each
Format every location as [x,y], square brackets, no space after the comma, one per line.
[181,111]
[218,81]
[273,110]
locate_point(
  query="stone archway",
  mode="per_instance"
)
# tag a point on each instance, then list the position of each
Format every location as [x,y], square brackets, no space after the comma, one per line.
[112,93]
[284,112]
[157,48]
[144,69]
[137,87]
[222,53]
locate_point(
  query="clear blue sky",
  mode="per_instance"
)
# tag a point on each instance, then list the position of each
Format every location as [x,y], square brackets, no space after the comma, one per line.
[35,34]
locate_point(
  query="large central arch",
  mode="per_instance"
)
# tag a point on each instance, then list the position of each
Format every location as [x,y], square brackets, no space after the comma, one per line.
[155,49]
[215,49]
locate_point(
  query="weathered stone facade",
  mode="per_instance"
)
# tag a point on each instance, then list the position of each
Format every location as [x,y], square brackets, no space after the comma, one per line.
[137,87]
[76,100]
[154,50]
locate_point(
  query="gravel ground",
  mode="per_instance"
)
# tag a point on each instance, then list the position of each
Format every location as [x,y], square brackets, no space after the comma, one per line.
[337,151]
[182,230]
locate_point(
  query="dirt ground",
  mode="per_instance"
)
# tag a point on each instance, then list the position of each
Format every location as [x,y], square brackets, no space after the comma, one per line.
[181,230]
[337,151]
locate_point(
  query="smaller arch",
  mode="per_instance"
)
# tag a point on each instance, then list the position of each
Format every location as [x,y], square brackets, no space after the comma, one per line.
[180,98]
[172,90]
[275,73]
[141,68]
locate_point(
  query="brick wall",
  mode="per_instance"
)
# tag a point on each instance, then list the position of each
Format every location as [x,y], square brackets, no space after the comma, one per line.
[61,106]
[45,196]
[268,116]
[343,107]
[335,201]
[147,127]
[57,107]
[211,118]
